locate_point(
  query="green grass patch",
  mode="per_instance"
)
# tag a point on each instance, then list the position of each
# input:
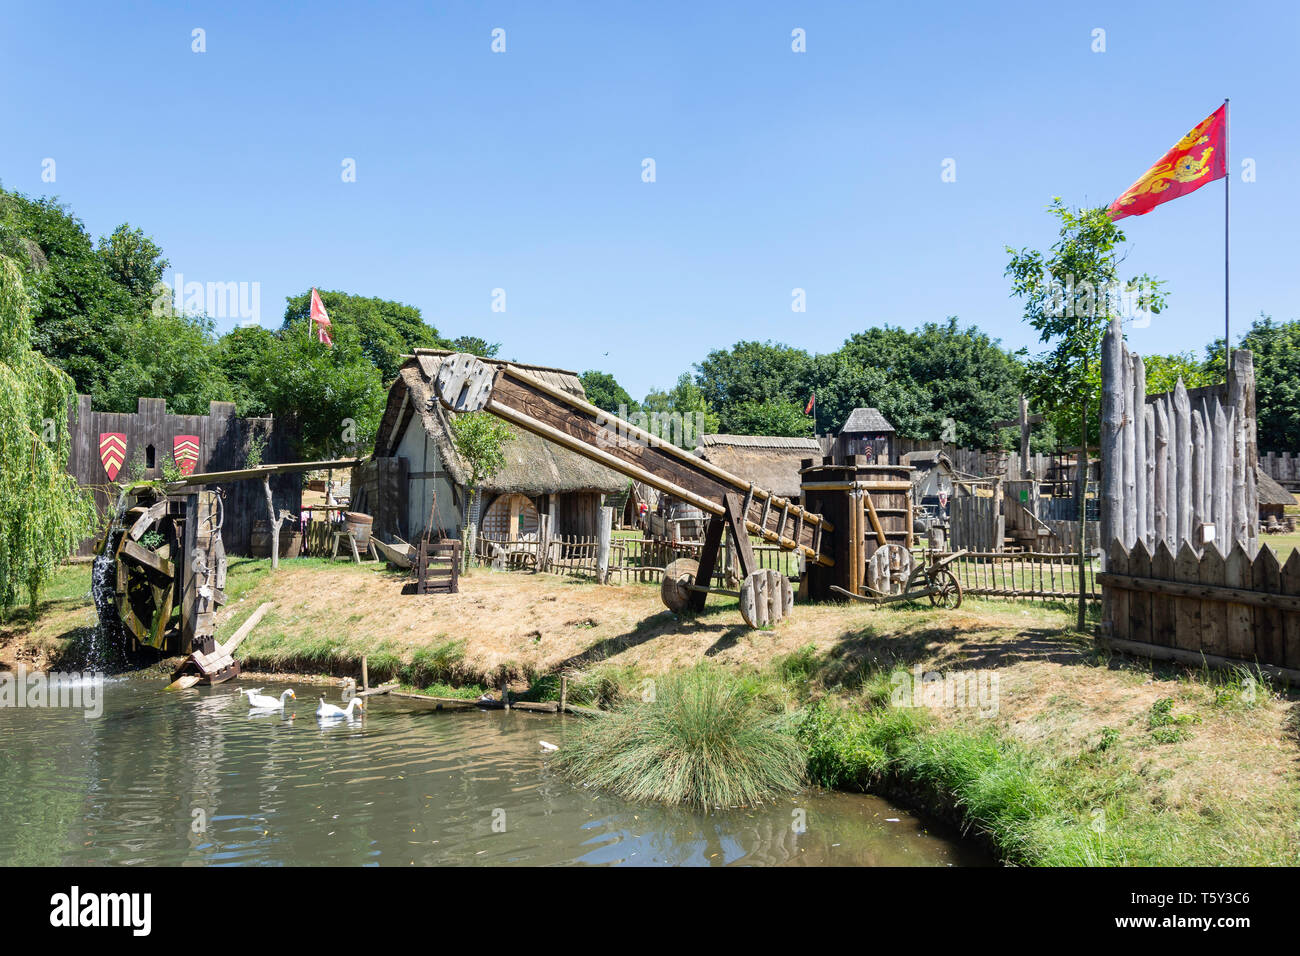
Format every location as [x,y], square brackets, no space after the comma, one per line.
[703,737]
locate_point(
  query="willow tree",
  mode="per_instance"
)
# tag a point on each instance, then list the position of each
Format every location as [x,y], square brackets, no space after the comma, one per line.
[43,512]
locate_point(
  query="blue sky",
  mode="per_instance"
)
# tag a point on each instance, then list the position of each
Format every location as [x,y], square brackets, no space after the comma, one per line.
[774,170]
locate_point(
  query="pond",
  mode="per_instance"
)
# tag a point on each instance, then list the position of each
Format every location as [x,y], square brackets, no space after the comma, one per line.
[192,779]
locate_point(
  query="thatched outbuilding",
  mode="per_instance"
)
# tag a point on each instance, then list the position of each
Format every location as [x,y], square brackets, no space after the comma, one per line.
[770,462]
[1273,498]
[414,460]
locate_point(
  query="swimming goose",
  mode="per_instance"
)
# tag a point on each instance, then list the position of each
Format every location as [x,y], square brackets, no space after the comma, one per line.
[261,702]
[328,711]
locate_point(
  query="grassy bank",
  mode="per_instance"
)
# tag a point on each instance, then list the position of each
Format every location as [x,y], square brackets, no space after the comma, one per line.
[1086,757]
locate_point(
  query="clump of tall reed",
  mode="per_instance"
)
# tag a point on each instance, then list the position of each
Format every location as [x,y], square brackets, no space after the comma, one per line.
[704,737]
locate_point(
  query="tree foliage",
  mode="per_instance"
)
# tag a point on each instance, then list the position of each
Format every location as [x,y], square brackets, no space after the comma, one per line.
[605,393]
[43,513]
[1069,294]
[385,330]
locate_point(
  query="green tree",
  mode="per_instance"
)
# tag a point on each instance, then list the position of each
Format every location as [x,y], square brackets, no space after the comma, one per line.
[133,260]
[385,330]
[242,356]
[330,399]
[769,418]
[167,355]
[1069,294]
[1164,371]
[605,393]
[43,513]
[1276,348]
[480,439]
[475,346]
[77,304]
[685,398]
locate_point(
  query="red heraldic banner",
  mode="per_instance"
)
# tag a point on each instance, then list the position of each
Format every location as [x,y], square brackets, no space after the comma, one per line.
[185,448]
[1198,158]
[112,452]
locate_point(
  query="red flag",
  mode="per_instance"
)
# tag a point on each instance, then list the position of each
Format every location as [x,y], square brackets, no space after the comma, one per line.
[811,402]
[1198,158]
[321,318]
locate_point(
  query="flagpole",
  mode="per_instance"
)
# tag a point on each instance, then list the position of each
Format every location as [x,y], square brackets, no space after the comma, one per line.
[1227,180]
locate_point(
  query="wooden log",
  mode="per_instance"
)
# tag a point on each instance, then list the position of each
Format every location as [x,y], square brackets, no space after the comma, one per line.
[1116,603]
[1160,461]
[246,628]
[1238,574]
[1195,659]
[603,537]
[1219,467]
[1270,633]
[1198,476]
[1171,474]
[1129,450]
[1290,579]
[1183,450]
[1146,471]
[1214,612]
[1187,613]
[1139,602]
[1163,618]
[1237,399]
[1112,441]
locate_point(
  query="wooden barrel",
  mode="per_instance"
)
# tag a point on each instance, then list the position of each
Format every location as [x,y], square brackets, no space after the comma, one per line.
[259,542]
[359,525]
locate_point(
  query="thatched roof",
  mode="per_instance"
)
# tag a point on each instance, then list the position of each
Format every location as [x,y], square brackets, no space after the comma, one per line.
[1270,492]
[866,420]
[925,460]
[770,462]
[534,466]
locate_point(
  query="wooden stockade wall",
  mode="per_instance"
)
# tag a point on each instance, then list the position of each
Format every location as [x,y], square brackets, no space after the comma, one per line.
[976,523]
[1283,468]
[223,446]
[1175,461]
[1199,604]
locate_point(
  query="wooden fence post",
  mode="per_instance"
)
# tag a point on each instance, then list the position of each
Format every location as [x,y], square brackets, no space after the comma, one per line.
[606,526]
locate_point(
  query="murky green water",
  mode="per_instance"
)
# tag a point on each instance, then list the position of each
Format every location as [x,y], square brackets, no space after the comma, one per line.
[191,779]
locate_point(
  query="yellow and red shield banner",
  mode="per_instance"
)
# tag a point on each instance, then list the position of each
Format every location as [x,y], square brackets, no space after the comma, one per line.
[112,452]
[1198,158]
[185,448]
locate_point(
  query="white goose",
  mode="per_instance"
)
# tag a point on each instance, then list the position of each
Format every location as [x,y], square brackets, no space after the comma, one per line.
[331,712]
[259,701]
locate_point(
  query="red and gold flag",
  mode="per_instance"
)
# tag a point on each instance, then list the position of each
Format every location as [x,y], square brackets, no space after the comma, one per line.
[1198,158]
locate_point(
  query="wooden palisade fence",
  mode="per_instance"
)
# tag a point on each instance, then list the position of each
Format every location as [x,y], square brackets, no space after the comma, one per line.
[1176,462]
[1200,607]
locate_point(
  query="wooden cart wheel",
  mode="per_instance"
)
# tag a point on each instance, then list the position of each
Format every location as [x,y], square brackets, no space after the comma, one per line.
[679,578]
[948,589]
[889,569]
[766,598]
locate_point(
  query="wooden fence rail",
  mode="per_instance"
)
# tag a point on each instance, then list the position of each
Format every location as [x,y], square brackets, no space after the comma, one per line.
[1025,575]
[1192,604]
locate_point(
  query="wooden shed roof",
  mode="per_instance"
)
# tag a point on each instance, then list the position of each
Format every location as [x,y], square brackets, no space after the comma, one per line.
[866,420]
[1270,492]
[769,461]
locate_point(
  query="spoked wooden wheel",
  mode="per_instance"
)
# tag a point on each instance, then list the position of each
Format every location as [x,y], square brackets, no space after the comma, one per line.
[679,578]
[947,589]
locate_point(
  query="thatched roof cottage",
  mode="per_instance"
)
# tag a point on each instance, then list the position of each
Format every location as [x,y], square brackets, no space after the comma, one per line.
[768,461]
[414,460]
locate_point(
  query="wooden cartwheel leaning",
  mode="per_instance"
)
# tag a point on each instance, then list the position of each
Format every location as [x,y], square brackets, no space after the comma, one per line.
[932,579]
[766,596]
